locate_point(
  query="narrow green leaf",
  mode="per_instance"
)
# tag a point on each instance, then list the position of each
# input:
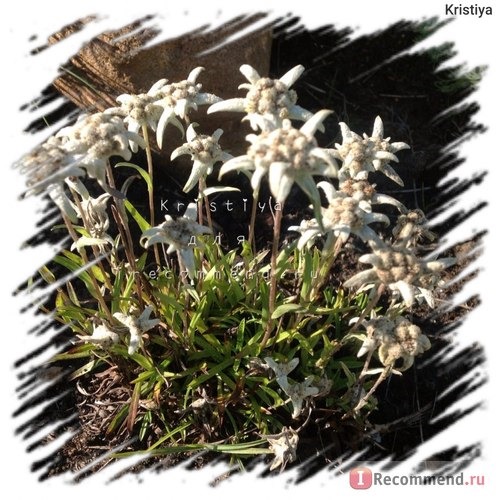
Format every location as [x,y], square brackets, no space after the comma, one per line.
[84,369]
[211,373]
[144,174]
[287,308]
[46,274]
[142,223]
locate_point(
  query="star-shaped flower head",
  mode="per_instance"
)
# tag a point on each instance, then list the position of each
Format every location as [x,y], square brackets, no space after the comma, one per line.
[142,110]
[176,99]
[93,212]
[47,164]
[268,101]
[344,215]
[403,272]
[283,445]
[287,155]
[397,338]
[298,393]
[47,167]
[282,370]
[180,234]
[137,326]
[368,154]
[205,152]
[96,138]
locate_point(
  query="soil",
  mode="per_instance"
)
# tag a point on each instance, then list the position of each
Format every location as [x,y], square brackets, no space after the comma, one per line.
[359,79]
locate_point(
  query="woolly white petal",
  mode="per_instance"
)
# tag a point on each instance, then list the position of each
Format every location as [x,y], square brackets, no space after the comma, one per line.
[157,86]
[168,116]
[298,113]
[292,75]
[361,278]
[187,258]
[311,126]
[237,104]
[407,292]
[238,163]
[276,174]
[191,132]
[217,134]
[378,128]
[328,188]
[386,155]
[194,74]
[256,179]
[249,73]
[191,212]
[428,296]
[398,146]
[391,173]
[185,149]
[57,194]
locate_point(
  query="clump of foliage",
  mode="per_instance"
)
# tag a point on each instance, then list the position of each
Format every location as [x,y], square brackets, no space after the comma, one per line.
[234,350]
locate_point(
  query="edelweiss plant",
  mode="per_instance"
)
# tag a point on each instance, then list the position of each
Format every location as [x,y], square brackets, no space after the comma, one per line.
[234,350]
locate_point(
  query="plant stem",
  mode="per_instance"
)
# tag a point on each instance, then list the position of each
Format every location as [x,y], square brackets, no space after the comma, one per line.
[253,216]
[151,203]
[127,240]
[273,275]
[202,187]
[363,401]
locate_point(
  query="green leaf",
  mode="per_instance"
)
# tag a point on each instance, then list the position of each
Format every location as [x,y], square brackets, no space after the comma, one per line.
[142,172]
[170,434]
[46,274]
[211,373]
[351,377]
[287,308]
[118,419]
[84,369]
[142,223]
[240,337]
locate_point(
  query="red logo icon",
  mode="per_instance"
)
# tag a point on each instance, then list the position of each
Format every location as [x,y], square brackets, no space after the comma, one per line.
[360,478]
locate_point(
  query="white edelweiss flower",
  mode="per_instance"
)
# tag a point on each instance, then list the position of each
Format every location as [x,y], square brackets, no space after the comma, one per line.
[97,137]
[282,370]
[137,326]
[287,155]
[283,445]
[140,110]
[178,234]
[268,101]
[368,154]
[93,212]
[401,271]
[298,393]
[102,335]
[205,152]
[397,338]
[47,167]
[176,99]
[343,216]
